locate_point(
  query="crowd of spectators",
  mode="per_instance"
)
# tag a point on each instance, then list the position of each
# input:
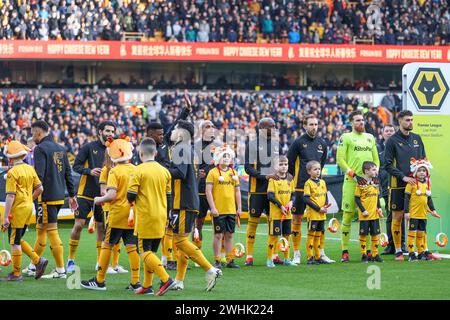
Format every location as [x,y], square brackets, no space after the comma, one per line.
[421,22]
[73,115]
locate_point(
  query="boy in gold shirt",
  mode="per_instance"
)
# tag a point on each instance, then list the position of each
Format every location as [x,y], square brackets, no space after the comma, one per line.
[367,199]
[224,198]
[417,202]
[151,183]
[315,197]
[22,188]
[103,180]
[120,151]
[280,194]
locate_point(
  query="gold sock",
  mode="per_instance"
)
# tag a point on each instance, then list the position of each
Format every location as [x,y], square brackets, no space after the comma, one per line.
[148,273]
[216,258]
[57,247]
[152,263]
[425,241]
[182,264]
[310,244]
[16,257]
[411,240]
[286,253]
[135,263]
[419,242]
[168,239]
[375,243]
[28,250]
[363,244]
[271,244]
[322,241]
[296,235]
[98,245]
[116,255]
[41,240]
[163,248]
[397,233]
[192,252]
[73,246]
[252,225]
[103,262]
[174,250]
[317,236]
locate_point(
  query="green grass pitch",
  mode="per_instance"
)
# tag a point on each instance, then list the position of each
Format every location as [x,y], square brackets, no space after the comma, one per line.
[420,280]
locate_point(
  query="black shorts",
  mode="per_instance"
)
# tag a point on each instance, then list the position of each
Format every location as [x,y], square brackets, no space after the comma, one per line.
[276,228]
[369,226]
[316,225]
[204,206]
[149,245]
[85,207]
[47,213]
[15,235]
[299,206]
[397,199]
[258,203]
[182,221]
[418,224]
[113,236]
[224,223]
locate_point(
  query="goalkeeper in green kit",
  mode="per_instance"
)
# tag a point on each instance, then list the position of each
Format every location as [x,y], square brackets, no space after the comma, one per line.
[354,148]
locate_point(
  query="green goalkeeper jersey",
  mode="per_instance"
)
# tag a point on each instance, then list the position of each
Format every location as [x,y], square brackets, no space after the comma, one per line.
[355,148]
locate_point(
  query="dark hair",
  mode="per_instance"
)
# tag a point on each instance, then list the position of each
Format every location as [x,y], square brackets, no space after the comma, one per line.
[148,146]
[388,126]
[103,124]
[41,124]
[309,116]
[186,125]
[404,113]
[367,165]
[155,126]
[354,113]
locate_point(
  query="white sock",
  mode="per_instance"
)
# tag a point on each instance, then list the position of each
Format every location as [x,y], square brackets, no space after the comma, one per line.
[249,257]
[212,270]
[31,266]
[60,270]
[178,281]
[164,260]
[297,252]
[398,250]
[322,252]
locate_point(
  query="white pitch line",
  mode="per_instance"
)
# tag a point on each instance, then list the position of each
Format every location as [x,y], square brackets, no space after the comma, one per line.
[265,234]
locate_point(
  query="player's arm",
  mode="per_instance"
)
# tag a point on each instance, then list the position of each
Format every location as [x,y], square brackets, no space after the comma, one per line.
[40,162]
[237,191]
[251,171]
[111,189]
[80,160]
[210,198]
[341,154]
[323,160]
[133,188]
[182,116]
[407,200]
[11,188]
[359,202]
[422,148]
[307,198]
[37,192]
[178,171]
[169,197]
[68,177]
[292,155]
[375,156]
[271,194]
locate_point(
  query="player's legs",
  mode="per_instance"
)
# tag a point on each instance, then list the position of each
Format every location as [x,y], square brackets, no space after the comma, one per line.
[15,237]
[81,215]
[130,242]
[217,242]
[286,233]
[112,236]
[167,254]
[182,227]
[297,215]
[348,207]
[363,232]
[256,207]
[41,232]
[200,220]
[152,264]
[230,226]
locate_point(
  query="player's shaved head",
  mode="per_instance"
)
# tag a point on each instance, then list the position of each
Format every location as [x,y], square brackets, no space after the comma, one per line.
[147,147]
[266,123]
